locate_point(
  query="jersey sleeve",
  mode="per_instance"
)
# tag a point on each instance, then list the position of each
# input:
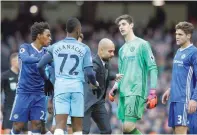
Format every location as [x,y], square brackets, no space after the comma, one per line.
[50,49]
[46,59]
[148,56]
[194,64]
[50,73]
[151,64]
[25,57]
[119,64]
[87,62]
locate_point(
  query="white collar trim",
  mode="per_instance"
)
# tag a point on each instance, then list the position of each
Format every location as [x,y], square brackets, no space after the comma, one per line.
[36,48]
[182,49]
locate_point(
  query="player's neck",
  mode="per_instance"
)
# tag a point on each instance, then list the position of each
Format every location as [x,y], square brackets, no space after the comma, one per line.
[71,35]
[185,45]
[37,44]
[131,36]
[15,70]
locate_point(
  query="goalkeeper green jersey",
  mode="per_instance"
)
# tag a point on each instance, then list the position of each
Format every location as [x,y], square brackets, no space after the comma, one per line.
[134,61]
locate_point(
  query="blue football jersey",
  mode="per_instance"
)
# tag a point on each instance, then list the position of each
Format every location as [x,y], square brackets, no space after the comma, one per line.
[70,58]
[184,74]
[30,80]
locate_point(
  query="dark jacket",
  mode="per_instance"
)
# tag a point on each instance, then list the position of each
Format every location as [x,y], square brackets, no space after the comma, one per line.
[102,77]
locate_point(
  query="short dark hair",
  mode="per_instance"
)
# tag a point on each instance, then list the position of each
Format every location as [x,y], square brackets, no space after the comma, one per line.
[71,24]
[187,27]
[126,17]
[13,55]
[38,28]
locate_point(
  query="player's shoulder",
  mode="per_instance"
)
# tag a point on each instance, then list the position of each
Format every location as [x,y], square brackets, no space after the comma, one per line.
[25,45]
[143,44]
[193,50]
[121,48]
[83,45]
[142,41]
[56,43]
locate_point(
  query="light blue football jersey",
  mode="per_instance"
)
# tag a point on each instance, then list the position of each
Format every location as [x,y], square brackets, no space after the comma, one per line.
[70,57]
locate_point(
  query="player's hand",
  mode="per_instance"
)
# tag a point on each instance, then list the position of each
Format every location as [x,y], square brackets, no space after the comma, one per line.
[50,106]
[80,39]
[112,94]
[151,100]
[96,90]
[94,86]
[118,77]
[48,88]
[166,96]
[192,106]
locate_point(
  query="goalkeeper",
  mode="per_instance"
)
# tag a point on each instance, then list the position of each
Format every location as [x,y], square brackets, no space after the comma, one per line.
[135,60]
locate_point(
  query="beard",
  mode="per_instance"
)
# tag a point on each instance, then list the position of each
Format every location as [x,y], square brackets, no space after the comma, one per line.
[106,59]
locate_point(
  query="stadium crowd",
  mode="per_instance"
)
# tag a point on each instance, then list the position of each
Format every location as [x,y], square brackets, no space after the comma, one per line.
[162,41]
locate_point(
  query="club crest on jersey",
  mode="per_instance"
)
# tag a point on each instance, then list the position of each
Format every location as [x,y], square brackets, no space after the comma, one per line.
[183,56]
[15,116]
[22,50]
[132,49]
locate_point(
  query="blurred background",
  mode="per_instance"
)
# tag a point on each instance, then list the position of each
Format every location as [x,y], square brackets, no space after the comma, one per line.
[154,22]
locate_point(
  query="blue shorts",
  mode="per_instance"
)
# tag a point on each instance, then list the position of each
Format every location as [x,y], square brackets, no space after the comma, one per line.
[178,115]
[71,103]
[68,121]
[28,107]
[193,123]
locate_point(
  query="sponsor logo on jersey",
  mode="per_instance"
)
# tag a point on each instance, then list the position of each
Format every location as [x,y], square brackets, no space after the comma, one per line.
[178,62]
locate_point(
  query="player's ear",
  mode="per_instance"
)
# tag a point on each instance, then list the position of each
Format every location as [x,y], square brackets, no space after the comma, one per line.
[189,36]
[132,25]
[39,36]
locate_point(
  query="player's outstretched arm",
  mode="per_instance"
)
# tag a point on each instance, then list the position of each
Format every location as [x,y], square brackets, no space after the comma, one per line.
[48,86]
[47,58]
[25,57]
[91,75]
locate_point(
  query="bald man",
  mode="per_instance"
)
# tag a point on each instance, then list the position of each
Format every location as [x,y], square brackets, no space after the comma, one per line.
[95,98]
